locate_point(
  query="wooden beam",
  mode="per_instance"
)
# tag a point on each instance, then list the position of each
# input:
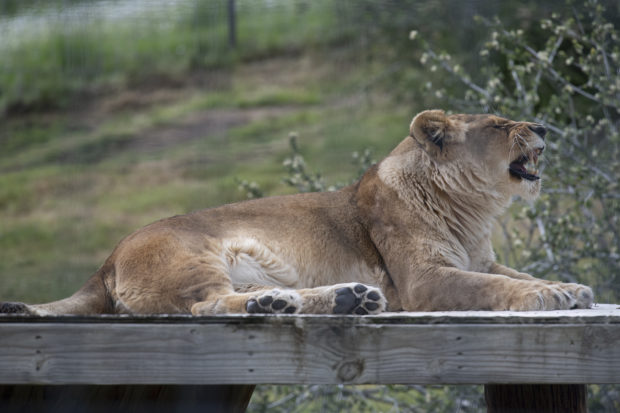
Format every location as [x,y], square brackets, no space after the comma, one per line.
[536,398]
[571,347]
[124,399]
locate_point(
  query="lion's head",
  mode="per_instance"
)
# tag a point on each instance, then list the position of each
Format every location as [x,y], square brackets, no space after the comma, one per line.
[501,152]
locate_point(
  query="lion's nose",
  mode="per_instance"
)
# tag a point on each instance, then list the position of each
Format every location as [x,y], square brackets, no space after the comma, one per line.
[539,130]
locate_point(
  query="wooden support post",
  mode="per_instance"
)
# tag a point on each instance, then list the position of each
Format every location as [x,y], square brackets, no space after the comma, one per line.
[124,398]
[535,398]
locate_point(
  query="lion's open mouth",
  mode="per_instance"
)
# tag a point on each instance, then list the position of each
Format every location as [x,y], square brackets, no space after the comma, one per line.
[519,167]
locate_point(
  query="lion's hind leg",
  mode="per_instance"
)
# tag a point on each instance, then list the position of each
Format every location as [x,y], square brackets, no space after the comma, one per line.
[265,301]
[257,274]
[348,298]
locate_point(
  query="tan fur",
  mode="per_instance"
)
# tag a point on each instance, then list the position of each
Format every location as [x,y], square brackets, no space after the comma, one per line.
[417,226]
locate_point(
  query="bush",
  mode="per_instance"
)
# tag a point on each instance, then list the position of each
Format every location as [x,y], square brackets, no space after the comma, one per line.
[570,84]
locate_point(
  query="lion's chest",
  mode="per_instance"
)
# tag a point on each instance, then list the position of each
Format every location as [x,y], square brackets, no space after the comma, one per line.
[473,254]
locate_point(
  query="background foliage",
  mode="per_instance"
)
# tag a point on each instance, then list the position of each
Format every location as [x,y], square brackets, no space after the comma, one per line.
[570,83]
[116,113]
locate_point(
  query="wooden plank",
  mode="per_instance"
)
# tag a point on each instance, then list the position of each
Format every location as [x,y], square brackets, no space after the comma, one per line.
[606,313]
[421,348]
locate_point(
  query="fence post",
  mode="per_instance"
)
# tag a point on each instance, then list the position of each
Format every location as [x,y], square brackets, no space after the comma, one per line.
[232,24]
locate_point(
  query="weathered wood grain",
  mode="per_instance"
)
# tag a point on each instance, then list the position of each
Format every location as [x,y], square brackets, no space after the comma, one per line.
[423,348]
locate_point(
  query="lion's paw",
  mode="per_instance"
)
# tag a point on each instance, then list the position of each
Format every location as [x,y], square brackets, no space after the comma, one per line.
[582,295]
[557,296]
[358,299]
[275,302]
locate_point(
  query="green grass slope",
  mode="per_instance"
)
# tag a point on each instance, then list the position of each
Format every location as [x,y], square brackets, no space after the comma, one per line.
[74,182]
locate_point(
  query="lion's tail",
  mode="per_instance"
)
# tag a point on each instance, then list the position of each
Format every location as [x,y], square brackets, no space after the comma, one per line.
[92,298]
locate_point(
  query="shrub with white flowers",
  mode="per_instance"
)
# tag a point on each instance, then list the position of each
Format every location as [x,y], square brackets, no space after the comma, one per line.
[569,82]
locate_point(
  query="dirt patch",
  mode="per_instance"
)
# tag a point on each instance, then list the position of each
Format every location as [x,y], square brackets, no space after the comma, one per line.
[206,124]
[280,71]
[88,113]
[201,125]
[294,71]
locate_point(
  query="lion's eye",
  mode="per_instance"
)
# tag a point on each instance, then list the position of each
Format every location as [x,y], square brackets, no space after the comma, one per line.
[497,127]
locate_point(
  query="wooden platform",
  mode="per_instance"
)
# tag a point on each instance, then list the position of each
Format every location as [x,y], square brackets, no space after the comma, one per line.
[556,347]
[578,346]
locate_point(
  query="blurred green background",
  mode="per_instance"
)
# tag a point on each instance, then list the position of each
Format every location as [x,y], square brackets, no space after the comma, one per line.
[114,114]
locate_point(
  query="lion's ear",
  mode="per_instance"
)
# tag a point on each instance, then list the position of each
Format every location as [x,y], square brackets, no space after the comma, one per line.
[433,130]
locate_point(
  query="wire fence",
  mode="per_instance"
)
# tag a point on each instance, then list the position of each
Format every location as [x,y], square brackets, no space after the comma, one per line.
[51,48]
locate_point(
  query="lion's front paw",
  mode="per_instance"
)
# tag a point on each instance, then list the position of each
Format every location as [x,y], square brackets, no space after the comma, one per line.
[583,295]
[275,302]
[358,299]
[557,296]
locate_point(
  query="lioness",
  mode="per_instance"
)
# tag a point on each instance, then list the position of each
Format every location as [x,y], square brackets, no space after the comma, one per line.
[412,234]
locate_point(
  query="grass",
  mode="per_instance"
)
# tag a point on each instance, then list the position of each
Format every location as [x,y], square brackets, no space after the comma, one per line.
[73,183]
[88,53]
